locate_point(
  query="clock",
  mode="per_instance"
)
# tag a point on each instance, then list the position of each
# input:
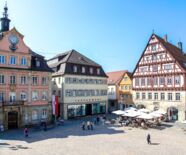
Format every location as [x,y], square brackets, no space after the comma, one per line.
[13,39]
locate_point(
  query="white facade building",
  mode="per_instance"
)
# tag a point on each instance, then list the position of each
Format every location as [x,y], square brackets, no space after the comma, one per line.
[159,78]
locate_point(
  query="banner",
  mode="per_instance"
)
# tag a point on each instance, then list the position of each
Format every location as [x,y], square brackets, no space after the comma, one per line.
[53,104]
[56,106]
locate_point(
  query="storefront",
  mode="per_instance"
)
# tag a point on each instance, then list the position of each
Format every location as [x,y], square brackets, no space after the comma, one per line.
[86,109]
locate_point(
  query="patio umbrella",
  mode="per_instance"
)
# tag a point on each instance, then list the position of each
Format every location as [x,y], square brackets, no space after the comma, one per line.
[160,111]
[118,112]
[144,110]
[145,116]
[131,109]
[132,113]
[154,114]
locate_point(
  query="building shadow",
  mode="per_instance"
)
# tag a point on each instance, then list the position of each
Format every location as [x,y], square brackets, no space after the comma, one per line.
[70,128]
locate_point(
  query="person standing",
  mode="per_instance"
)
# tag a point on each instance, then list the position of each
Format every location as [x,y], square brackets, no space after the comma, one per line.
[26,132]
[91,125]
[148,139]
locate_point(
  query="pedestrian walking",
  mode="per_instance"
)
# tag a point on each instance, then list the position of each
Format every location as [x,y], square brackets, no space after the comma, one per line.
[91,125]
[148,139]
[88,125]
[26,132]
[83,126]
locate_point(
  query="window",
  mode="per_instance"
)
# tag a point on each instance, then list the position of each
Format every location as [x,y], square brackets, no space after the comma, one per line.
[44,81]
[143,82]
[38,64]
[167,67]
[2,59]
[170,96]
[44,113]
[12,96]
[161,56]
[177,96]
[23,96]
[83,70]
[169,80]
[143,96]
[155,68]
[162,96]
[91,70]
[125,78]
[153,47]
[12,79]
[34,115]
[147,58]
[156,96]
[177,79]
[143,69]
[137,96]
[35,95]
[23,61]
[2,79]
[44,95]
[149,96]
[34,80]
[154,57]
[148,81]
[2,96]
[75,69]
[23,80]
[162,80]
[137,82]
[155,80]
[98,71]
[12,60]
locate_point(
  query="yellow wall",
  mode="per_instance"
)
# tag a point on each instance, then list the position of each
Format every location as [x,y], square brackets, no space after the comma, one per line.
[125,89]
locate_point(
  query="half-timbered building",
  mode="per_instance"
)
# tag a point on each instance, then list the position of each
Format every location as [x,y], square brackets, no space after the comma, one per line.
[159,80]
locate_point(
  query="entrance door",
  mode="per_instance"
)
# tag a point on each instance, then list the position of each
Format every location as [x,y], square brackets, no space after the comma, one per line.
[88,109]
[12,120]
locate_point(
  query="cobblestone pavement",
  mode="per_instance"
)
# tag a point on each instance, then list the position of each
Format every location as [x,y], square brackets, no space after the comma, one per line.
[106,139]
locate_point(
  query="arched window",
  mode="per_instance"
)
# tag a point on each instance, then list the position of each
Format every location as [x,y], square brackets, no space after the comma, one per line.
[23,61]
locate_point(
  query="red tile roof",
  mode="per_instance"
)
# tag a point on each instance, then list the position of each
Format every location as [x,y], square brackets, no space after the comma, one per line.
[115,77]
[176,52]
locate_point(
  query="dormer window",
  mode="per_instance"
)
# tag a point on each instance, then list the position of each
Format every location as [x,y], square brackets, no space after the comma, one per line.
[23,61]
[75,69]
[83,70]
[91,70]
[38,64]
[98,71]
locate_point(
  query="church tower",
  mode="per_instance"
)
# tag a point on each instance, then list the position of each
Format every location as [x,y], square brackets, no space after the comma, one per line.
[5,22]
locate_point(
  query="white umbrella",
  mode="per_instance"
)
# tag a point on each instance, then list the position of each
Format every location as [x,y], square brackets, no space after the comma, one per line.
[131,114]
[118,112]
[131,109]
[145,116]
[144,110]
[160,111]
[154,114]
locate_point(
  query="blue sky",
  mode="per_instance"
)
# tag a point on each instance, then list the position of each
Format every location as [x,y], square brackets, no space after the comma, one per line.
[111,32]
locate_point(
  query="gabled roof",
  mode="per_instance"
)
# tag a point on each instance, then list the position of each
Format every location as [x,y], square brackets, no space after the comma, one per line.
[173,50]
[115,77]
[73,56]
[176,52]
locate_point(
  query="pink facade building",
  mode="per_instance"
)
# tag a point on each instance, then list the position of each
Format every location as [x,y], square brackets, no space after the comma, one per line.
[25,77]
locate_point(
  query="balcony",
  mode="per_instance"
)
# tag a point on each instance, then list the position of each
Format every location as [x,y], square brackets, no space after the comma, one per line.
[13,103]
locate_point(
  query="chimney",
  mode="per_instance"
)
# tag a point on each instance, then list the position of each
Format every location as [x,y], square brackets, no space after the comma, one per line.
[165,38]
[180,46]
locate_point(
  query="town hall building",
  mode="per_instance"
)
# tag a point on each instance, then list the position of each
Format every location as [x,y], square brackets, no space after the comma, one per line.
[159,78]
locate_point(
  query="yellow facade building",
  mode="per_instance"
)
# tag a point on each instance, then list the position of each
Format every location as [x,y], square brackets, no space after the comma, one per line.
[125,91]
